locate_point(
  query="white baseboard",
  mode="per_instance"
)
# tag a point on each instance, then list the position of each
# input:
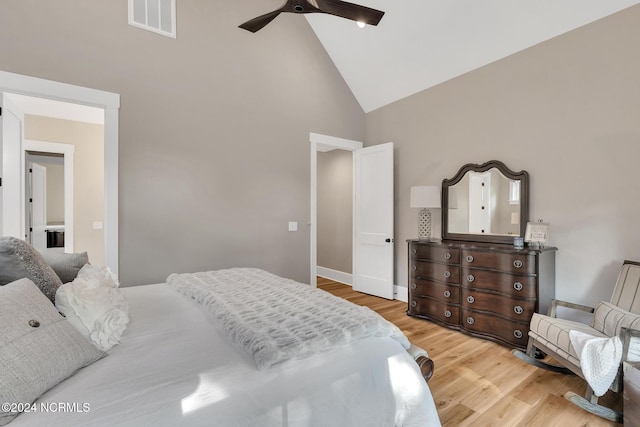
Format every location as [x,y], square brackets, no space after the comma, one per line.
[338,276]
[401,293]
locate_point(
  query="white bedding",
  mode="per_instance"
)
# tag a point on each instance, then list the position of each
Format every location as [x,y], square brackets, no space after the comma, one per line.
[175,367]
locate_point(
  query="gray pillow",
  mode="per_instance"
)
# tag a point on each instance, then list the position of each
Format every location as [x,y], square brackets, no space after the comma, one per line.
[38,347]
[66,266]
[19,259]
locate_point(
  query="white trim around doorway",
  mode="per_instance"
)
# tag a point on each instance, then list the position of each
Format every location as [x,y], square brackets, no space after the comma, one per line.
[110,103]
[324,143]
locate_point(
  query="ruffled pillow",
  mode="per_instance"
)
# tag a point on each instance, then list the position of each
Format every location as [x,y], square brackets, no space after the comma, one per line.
[95,306]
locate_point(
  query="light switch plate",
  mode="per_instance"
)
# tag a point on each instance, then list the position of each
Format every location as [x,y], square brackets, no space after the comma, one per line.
[293,226]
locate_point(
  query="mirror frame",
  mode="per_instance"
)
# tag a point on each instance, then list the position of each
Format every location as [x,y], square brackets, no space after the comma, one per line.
[523,176]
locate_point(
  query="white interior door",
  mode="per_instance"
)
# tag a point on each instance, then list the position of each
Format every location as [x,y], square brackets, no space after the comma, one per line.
[373,220]
[38,202]
[12,218]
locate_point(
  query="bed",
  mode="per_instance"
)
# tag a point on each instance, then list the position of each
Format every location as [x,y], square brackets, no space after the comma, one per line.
[176,365]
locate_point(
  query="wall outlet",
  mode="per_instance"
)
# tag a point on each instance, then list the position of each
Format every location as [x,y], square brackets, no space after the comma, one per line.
[97,225]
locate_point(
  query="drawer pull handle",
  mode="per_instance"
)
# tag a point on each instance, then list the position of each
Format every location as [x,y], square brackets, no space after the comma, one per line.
[517,309]
[447,274]
[414,251]
[517,286]
[447,255]
[413,286]
[470,278]
[414,267]
[470,320]
[414,304]
[470,299]
[447,294]
[517,263]
[447,313]
[517,333]
[469,258]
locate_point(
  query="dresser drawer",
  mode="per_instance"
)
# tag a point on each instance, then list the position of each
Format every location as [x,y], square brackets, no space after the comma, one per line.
[509,332]
[509,284]
[434,309]
[441,254]
[441,291]
[521,263]
[434,271]
[518,310]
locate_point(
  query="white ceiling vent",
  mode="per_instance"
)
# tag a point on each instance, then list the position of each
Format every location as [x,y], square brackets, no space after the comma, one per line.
[158,16]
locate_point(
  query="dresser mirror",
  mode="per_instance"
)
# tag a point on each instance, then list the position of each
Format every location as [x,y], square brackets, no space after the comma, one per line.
[485,203]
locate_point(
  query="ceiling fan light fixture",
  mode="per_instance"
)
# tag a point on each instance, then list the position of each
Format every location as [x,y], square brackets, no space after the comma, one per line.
[341,8]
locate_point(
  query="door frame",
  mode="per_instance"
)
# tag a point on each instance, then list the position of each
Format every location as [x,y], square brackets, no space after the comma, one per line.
[110,103]
[320,141]
[67,151]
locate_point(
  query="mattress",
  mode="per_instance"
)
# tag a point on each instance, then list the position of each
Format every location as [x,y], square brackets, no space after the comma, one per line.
[175,366]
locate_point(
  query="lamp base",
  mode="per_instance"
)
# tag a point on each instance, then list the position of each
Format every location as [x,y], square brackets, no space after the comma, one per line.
[424,224]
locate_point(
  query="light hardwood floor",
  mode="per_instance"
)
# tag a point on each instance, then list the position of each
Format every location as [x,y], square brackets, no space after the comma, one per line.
[480,383]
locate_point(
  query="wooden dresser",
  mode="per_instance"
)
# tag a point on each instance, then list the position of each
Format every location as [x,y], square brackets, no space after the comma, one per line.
[483,289]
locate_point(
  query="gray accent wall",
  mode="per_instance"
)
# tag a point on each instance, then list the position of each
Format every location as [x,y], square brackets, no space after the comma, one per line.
[335,210]
[568,112]
[214,154]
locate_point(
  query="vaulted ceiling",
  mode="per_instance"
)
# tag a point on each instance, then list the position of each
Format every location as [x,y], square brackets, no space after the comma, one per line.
[421,43]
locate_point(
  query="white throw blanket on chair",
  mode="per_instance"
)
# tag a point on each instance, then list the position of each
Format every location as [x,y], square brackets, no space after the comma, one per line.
[600,359]
[275,319]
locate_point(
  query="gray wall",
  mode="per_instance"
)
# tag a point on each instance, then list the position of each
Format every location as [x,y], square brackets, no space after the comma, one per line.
[567,111]
[214,125]
[335,210]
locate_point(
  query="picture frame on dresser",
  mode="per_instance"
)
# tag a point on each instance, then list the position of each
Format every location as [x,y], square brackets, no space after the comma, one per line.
[475,280]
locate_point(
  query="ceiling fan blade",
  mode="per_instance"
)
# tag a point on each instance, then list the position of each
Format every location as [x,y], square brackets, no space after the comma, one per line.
[347,10]
[258,23]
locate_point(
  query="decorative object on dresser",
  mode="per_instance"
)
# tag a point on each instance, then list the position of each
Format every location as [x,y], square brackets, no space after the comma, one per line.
[486,290]
[425,197]
[537,233]
[475,280]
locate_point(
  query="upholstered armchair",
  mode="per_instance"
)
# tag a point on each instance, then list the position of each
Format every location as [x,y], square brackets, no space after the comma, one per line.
[596,351]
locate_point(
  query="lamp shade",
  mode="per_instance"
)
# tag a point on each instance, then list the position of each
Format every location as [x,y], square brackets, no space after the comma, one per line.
[425,197]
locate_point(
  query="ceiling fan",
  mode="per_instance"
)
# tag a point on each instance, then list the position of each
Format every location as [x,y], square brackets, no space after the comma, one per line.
[339,8]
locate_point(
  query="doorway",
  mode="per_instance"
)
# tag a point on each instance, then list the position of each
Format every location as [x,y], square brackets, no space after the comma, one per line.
[52,226]
[322,143]
[372,215]
[335,214]
[109,103]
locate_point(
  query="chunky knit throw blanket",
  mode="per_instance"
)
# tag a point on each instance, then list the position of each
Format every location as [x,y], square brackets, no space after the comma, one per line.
[599,359]
[275,319]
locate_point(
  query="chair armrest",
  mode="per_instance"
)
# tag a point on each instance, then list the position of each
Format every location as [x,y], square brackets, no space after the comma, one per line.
[625,336]
[555,303]
[422,359]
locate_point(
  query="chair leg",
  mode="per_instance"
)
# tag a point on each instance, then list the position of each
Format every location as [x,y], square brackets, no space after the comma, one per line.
[592,406]
[540,364]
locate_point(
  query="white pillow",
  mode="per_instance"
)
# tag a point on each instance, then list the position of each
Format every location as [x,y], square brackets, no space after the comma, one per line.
[95,306]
